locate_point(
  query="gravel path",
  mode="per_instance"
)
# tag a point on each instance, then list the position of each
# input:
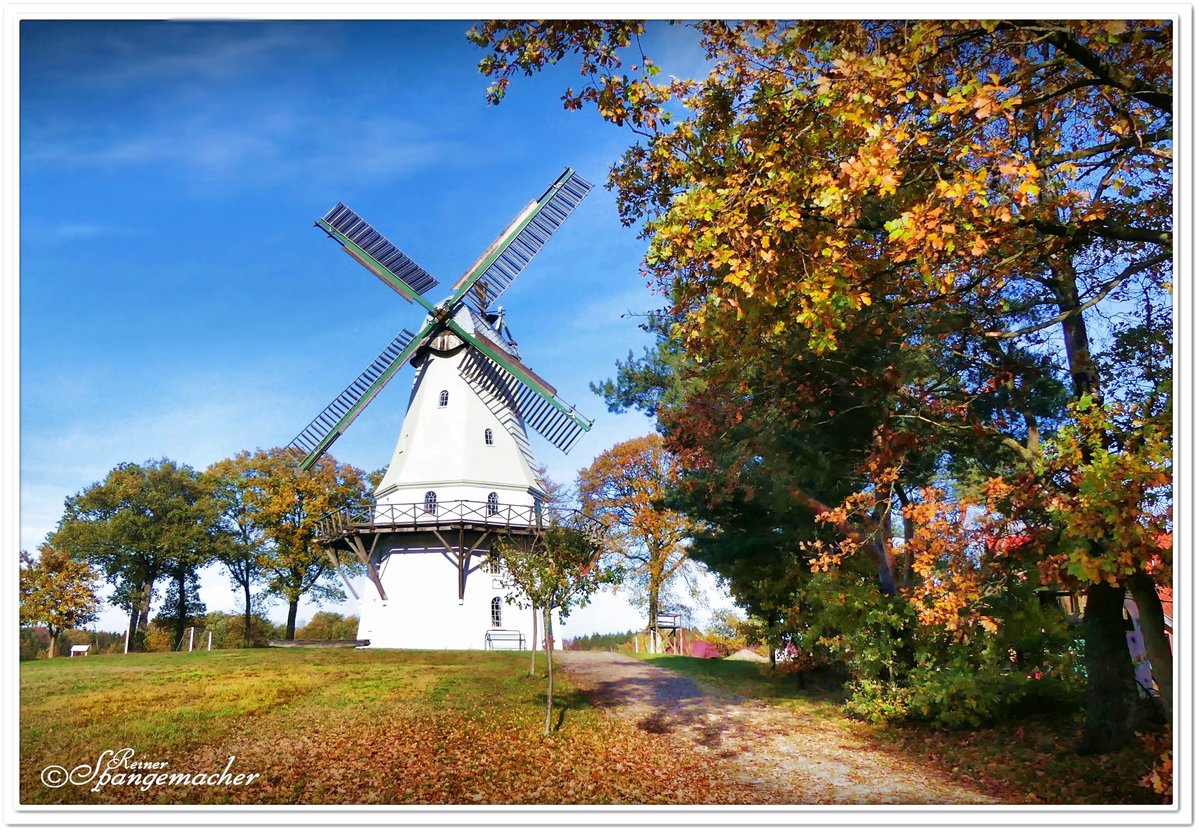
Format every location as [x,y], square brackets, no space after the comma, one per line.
[770,755]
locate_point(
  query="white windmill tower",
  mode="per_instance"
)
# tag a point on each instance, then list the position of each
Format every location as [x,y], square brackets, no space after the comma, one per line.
[462,471]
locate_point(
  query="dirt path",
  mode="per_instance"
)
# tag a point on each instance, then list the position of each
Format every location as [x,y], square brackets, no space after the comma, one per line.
[770,755]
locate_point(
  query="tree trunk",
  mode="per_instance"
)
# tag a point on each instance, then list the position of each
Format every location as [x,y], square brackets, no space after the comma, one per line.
[1154,636]
[143,617]
[246,637]
[549,668]
[652,625]
[1111,688]
[53,639]
[291,622]
[533,645]
[1084,378]
[906,570]
[131,641]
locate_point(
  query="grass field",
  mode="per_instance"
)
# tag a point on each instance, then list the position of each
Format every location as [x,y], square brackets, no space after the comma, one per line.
[338,726]
[1031,759]
[413,727]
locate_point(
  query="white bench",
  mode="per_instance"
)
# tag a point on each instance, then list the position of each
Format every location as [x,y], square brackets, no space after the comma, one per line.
[80,649]
[503,640]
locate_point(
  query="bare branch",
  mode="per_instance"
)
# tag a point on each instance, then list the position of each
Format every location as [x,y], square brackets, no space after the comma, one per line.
[1129,272]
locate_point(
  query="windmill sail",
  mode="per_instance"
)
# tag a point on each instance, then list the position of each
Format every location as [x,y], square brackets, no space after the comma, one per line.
[491,382]
[376,252]
[324,430]
[499,266]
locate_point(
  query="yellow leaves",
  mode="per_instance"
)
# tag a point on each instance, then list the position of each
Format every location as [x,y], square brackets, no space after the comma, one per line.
[1029,188]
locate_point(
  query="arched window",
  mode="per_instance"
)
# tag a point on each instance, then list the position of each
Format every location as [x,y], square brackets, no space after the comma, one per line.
[487,436]
[493,503]
[431,502]
[496,612]
[443,398]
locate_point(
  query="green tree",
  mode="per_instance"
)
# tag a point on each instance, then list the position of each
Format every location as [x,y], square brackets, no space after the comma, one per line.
[286,504]
[181,606]
[56,590]
[137,525]
[556,569]
[229,482]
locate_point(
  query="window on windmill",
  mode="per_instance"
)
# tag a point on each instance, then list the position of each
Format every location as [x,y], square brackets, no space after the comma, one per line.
[493,503]
[431,502]
[496,612]
[487,436]
[443,398]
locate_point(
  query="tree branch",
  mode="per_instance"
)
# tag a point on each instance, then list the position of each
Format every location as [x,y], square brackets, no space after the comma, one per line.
[1109,74]
[1129,272]
[1102,228]
[1121,144]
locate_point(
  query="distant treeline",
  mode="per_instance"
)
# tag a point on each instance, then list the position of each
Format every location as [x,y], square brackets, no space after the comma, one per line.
[227,633]
[601,641]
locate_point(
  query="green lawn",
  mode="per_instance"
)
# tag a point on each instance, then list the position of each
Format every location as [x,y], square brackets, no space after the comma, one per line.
[1030,760]
[338,726]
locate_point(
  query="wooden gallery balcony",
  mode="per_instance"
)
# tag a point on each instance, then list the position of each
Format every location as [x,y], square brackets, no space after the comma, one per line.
[451,515]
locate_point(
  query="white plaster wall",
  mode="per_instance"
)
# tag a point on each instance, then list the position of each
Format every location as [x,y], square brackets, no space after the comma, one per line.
[422,609]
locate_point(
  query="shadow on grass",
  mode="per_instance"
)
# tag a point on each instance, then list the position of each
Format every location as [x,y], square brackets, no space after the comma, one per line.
[575,701]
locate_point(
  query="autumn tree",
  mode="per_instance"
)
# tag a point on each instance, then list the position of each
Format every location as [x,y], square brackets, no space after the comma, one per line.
[555,569]
[285,505]
[56,590]
[957,190]
[626,488]
[137,525]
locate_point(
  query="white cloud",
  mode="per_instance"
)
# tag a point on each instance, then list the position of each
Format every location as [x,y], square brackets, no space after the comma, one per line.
[288,144]
[118,53]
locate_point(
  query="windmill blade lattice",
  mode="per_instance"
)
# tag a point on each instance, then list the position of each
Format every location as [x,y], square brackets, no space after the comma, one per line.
[551,211]
[359,232]
[491,381]
[324,430]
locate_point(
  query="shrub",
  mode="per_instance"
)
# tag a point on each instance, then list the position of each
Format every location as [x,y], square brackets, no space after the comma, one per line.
[329,626]
[961,695]
[876,701]
[157,639]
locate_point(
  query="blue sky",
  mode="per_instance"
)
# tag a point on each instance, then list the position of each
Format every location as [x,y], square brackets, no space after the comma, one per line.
[176,300]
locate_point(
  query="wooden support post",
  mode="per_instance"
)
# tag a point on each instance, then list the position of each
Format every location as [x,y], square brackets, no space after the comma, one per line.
[463,557]
[361,550]
[341,573]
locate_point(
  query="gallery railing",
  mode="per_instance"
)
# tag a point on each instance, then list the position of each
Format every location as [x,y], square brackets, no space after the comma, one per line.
[415,516]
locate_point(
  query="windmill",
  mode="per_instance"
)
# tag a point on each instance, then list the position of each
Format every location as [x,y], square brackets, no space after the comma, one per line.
[462,470]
